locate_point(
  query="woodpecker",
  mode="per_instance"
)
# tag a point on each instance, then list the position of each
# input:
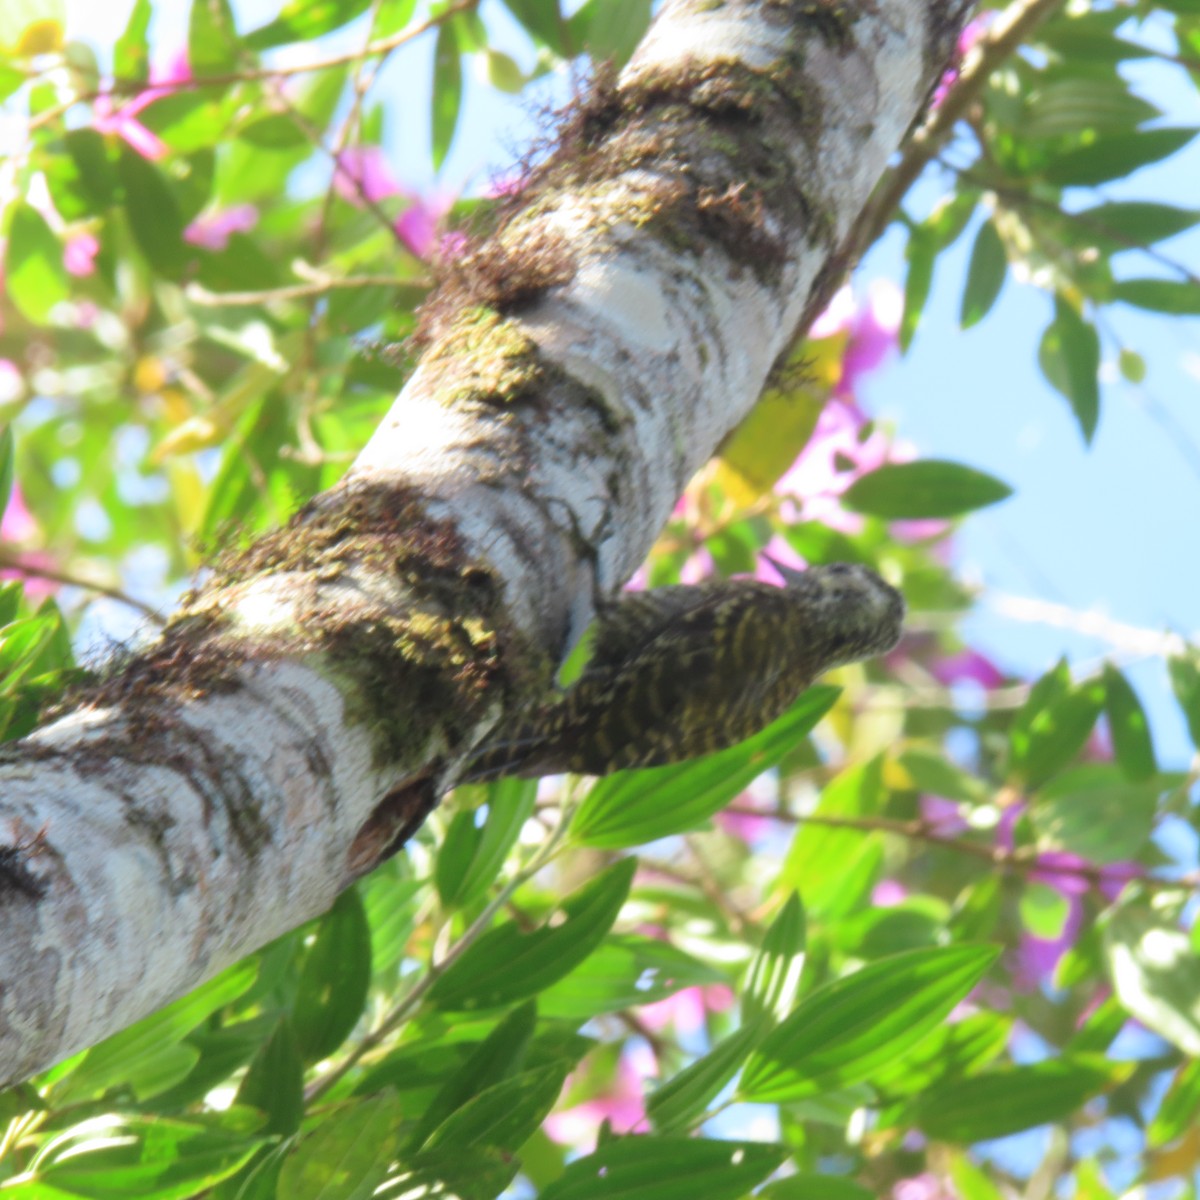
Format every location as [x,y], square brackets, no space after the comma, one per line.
[677,672]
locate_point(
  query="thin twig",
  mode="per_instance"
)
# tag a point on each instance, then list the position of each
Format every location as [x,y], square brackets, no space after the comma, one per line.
[54,575]
[299,291]
[1131,639]
[1025,860]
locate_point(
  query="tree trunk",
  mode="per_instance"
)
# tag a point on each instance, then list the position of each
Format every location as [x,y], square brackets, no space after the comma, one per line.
[307,706]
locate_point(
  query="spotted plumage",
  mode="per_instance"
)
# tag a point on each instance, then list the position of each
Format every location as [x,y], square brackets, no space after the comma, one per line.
[677,672]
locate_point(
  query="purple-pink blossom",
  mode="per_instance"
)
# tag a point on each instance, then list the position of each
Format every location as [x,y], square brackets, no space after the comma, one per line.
[972,32]
[363,175]
[213,229]
[967,666]
[942,817]
[687,1010]
[79,253]
[19,525]
[925,1186]
[622,1105]
[1072,876]
[111,116]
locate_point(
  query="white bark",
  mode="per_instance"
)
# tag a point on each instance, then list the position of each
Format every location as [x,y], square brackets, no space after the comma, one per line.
[171,846]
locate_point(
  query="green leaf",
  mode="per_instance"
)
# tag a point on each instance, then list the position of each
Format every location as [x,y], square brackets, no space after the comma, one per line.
[347,1154]
[131,51]
[213,43]
[1069,355]
[6,484]
[446,102]
[666,1168]
[836,868]
[154,216]
[492,1061]
[507,964]
[609,30]
[677,1103]
[1132,742]
[947,1053]
[1008,1099]
[928,771]
[1052,727]
[773,979]
[624,971]
[843,1031]
[472,855]
[1171,296]
[129,1054]
[1155,973]
[633,807]
[274,1084]
[930,488]
[985,275]
[155,1157]
[1095,812]
[34,273]
[460,1172]
[1072,106]
[1139,222]
[1114,156]
[305,20]
[80,175]
[943,226]
[504,1115]
[334,979]
[1184,670]
[920,255]
[1044,910]
[391,16]
[541,19]
[1180,1106]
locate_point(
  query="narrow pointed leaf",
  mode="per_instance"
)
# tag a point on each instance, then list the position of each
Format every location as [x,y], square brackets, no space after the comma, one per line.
[507,964]
[633,807]
[844,1030]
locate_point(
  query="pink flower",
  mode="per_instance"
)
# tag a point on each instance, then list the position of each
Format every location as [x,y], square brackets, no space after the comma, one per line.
[972,32]
[777,550]
[362,174]
[841,448]
[80,252]
[687,1010]
[941,816]
[19,525]
[872,327]
[212,230]
[110,117]
[874,334]
[923,1187]
[418,226]
[887,893]
[622,1106]
[967,666]
[745,828]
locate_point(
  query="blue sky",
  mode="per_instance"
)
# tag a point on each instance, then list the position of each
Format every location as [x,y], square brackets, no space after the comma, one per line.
[1108,529]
